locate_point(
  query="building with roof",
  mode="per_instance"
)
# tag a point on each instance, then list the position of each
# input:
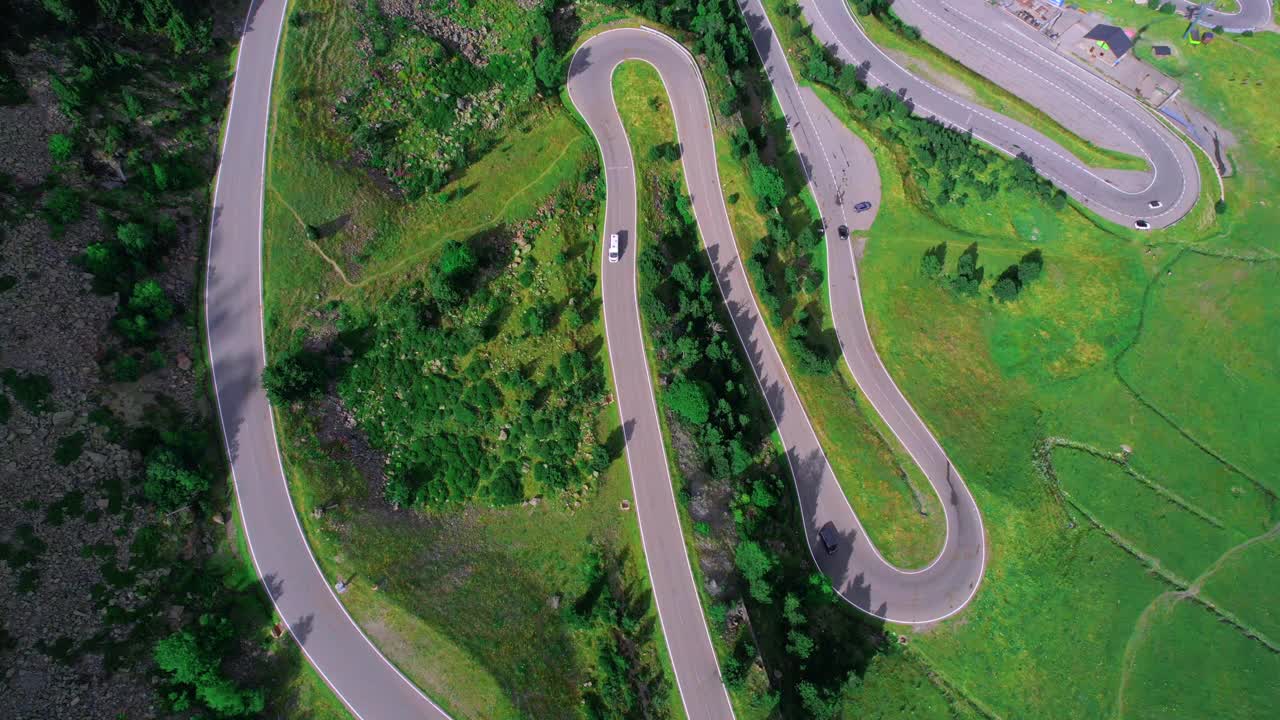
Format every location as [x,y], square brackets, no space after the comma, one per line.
[1106,44]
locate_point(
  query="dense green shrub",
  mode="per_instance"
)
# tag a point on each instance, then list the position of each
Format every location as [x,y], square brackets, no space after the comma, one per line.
[193,660]
[755,563]
[627,680]
[169,482]
[433,384]
[934,260]
[60,147]
[69,448]
[148,309]
[688,401]
[1016,277]
[31,390]
[62,206]
[968,276]
[294,376]
[424,110]
[1005,289]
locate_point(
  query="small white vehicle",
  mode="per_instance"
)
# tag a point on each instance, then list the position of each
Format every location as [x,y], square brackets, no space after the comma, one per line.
[1142,225]
[1155,204]
[614,253]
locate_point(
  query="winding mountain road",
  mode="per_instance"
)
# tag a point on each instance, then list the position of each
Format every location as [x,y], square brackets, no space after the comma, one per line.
[361,677]
[997,46]
[366,682]
[857,571]
[1252,15]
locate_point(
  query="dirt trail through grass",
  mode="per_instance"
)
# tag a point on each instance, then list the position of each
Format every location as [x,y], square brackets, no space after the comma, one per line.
[312,243]
[472,229]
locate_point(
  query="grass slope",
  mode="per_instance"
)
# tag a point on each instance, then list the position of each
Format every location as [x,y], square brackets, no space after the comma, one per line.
[472,605]
[1109,349]
[649,123]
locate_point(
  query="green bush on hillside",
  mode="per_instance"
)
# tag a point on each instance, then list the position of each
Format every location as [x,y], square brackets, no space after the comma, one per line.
[424,110]
[294,376]
[193,660]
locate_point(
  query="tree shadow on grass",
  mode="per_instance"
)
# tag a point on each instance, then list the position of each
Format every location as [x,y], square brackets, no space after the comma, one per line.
[490,604]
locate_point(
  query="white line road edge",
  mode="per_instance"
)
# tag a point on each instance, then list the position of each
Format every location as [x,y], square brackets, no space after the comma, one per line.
[262,328]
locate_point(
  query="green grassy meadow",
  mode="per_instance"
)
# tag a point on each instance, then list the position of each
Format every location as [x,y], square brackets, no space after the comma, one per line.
[650,123]
[1164,344]
[473,605]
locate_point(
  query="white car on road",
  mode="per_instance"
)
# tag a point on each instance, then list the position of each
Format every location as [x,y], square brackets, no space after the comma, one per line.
[613,248]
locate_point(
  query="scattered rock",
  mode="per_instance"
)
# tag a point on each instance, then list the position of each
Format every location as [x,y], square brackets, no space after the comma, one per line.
[554,601]
[624,505]
[184,362]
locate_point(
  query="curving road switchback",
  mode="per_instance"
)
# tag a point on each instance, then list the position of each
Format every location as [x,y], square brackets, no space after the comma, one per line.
[1252,15]
[857,571]
[361,677]
[836,163]
[1007,52]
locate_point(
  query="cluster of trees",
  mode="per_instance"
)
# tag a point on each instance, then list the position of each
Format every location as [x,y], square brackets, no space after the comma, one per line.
[782,264]
[697,351]
[968,275]
[883,11]
[947,166]
[720,36]
[1017,276]
[138,83]
[425,110]
[714,398]
[295,375]
[627,679]
[138,90]
[192,659]
[173,477]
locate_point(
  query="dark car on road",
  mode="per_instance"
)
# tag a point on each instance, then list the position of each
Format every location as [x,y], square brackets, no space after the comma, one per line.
[843,232]
[830,538]
[862,206]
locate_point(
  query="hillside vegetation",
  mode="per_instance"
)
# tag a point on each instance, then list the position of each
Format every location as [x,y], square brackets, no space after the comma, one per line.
[1100,418]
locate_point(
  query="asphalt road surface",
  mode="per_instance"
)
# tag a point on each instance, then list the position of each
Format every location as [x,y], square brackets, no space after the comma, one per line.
[358,673]
[369,685]
[1252,15]
[857,571]
[1011,55]
[670,573]
[840,171]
